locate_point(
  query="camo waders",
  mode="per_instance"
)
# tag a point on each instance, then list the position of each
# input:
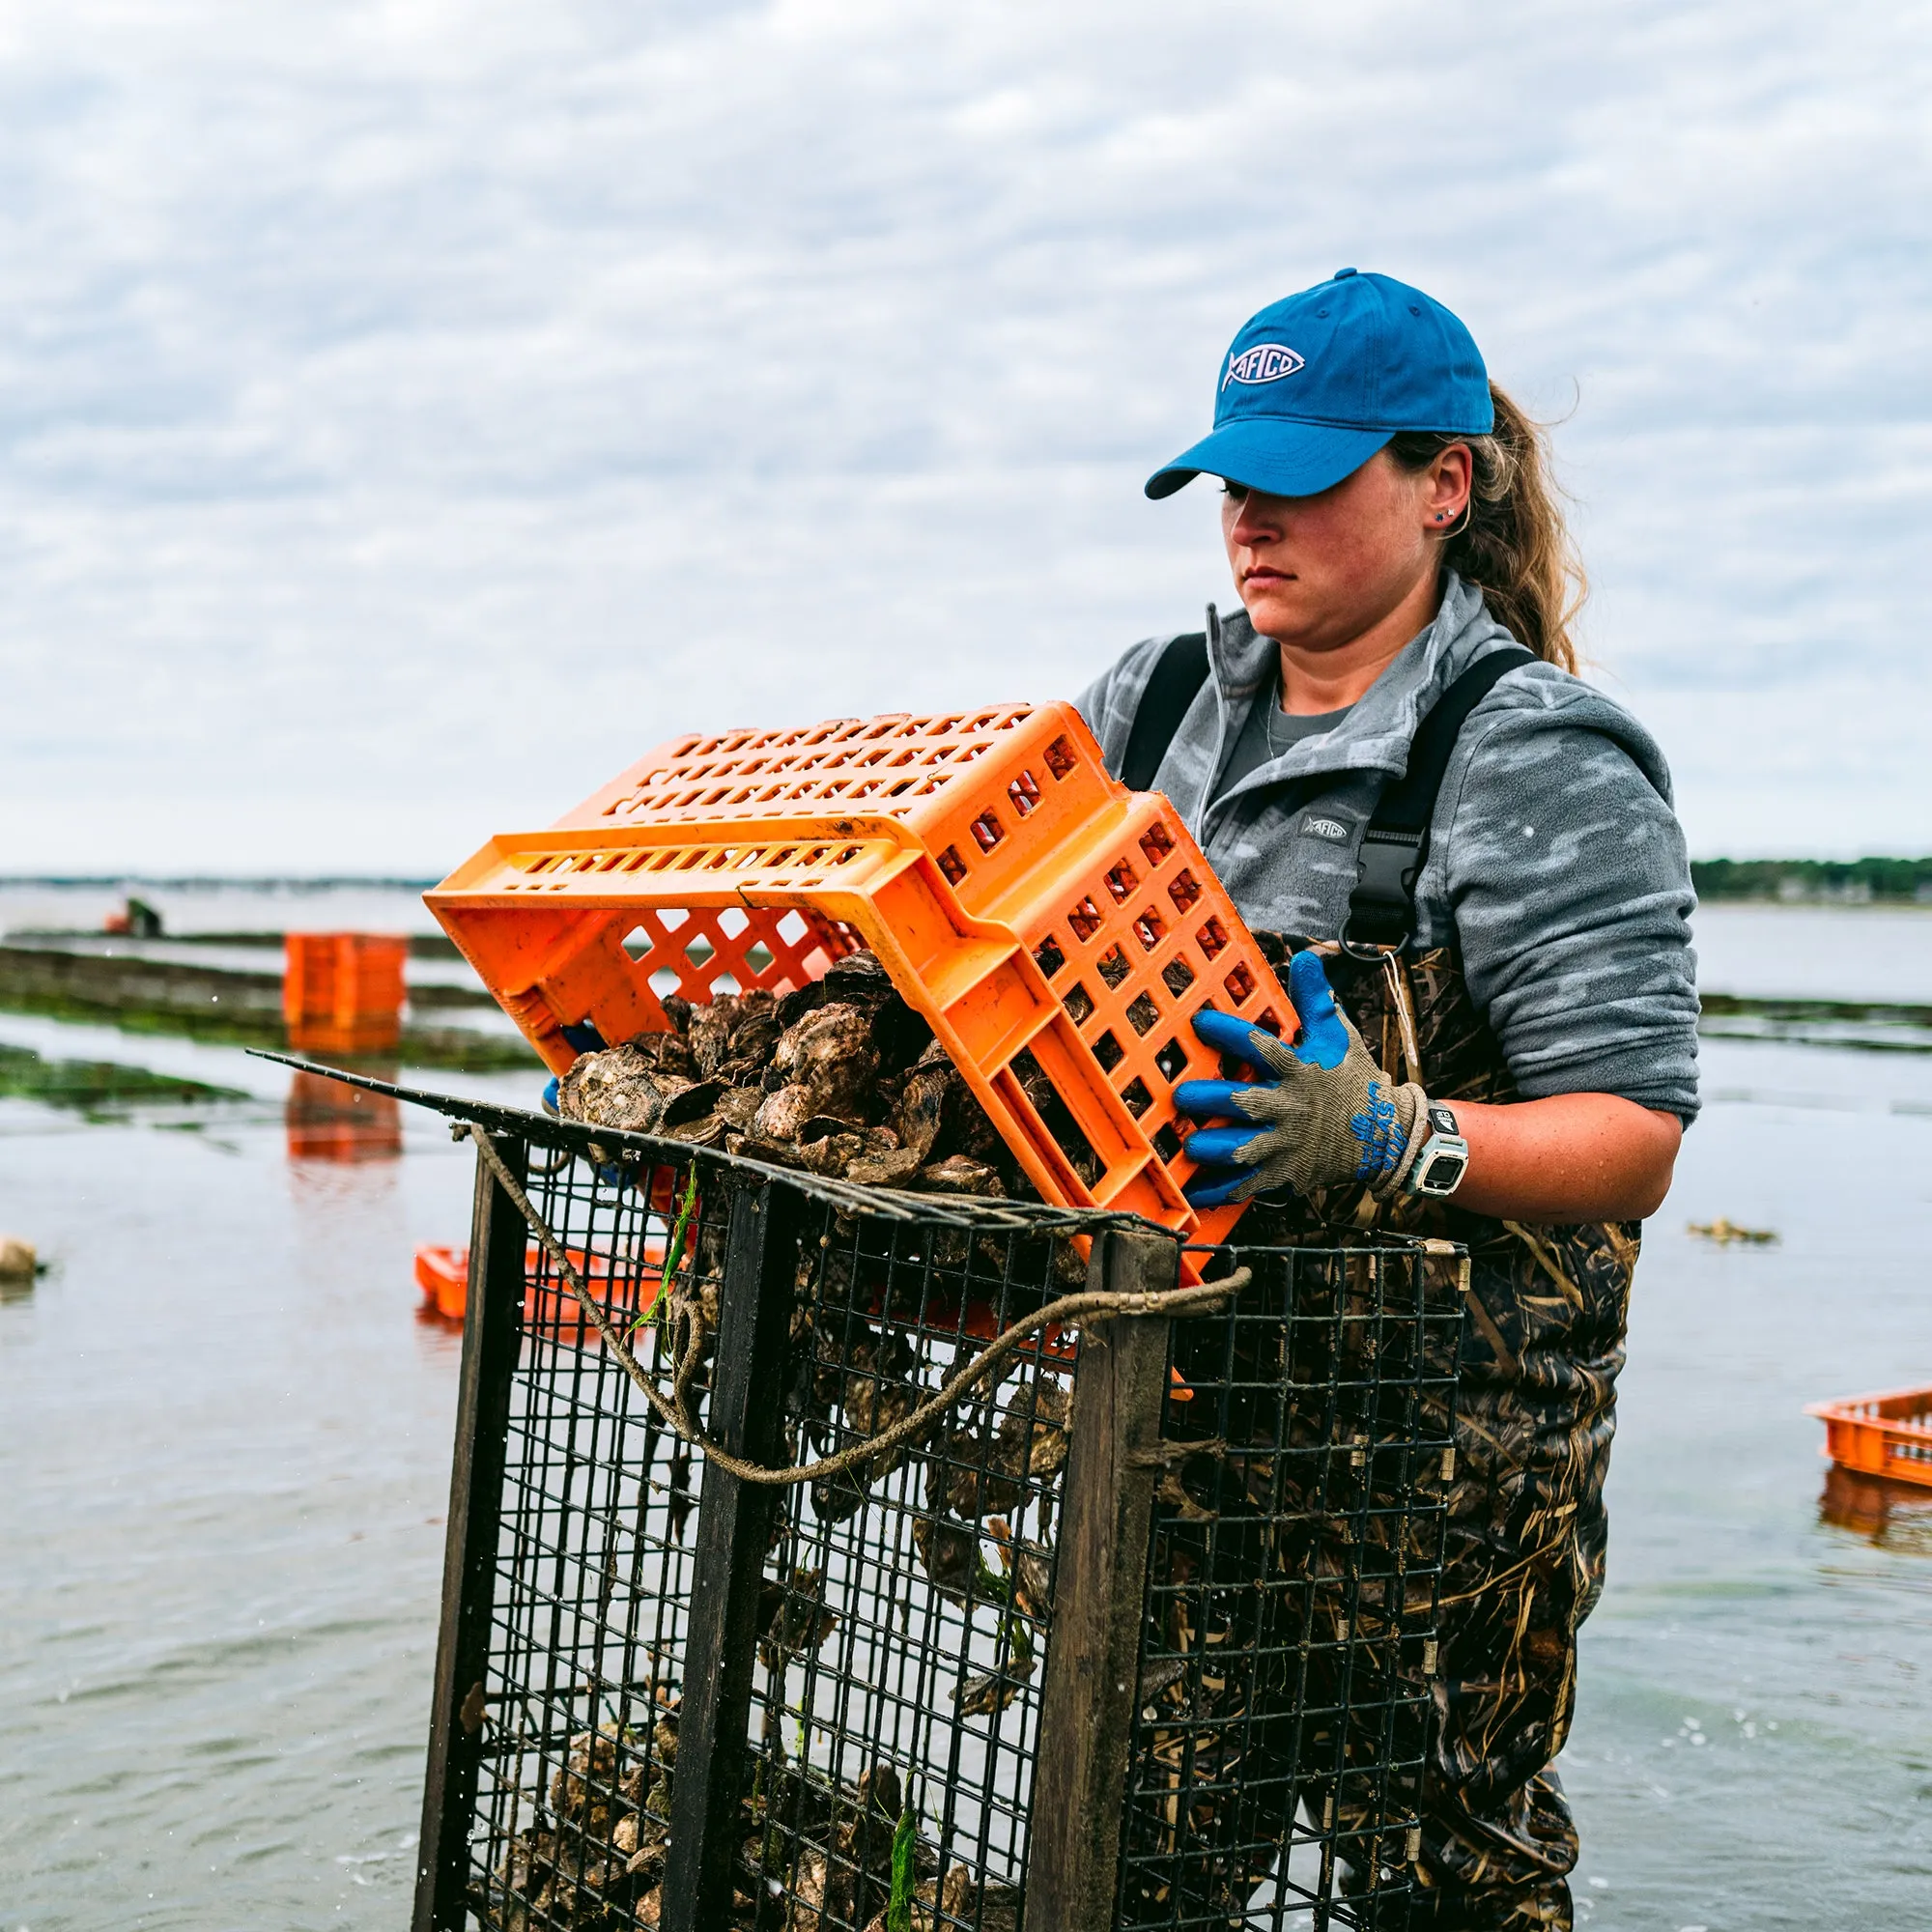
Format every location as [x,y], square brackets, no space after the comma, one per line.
[1542,1343]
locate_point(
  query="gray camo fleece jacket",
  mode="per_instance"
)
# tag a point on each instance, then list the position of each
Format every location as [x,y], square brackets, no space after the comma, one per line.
[1556,866]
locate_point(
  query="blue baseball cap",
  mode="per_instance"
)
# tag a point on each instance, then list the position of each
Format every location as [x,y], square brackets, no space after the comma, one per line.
[1313,385]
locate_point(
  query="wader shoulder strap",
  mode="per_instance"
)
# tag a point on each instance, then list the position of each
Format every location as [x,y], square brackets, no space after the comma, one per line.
[1181,671]
[1382,911]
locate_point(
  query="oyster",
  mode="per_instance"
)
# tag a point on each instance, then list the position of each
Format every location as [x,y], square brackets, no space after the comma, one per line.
[950,1555]
[597,1859]
[831,1154]
[711,1033]
[755,1035]
[984,1472]
[853,1883]
[1053,1414]
[887,1168]
[781,1115]
[960,1174]
[585,1789]
[981,1696]
[831,1054]
[1029,1570]
[621,1086]
[793,1621]
[860,978]
[922,1100]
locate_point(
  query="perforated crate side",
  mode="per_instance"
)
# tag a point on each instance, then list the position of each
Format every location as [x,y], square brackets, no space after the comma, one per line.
[1034,910]
[1887,1435]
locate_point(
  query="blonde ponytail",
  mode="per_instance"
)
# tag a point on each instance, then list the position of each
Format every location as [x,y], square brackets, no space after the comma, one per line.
[1512,541]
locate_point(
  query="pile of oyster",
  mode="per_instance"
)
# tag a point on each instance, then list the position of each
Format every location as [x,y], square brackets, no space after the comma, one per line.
[596,1858]
[833,1853]
[841,1078]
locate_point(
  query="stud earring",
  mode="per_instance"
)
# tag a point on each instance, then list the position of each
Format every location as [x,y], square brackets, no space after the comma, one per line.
[1441,516]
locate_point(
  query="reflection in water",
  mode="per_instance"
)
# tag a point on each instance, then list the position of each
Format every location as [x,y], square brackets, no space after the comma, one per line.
[99,1089]
[1892,1516]
[328,1120]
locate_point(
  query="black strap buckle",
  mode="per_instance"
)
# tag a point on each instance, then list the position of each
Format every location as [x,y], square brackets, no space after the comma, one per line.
[1382,909]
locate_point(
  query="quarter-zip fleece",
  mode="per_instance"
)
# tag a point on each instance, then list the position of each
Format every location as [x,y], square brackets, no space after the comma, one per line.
[1556,867]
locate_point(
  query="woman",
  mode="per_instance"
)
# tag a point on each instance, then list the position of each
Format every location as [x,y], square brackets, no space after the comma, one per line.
[1389,748]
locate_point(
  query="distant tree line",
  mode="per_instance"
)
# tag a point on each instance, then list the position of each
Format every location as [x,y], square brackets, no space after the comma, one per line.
[1846,880]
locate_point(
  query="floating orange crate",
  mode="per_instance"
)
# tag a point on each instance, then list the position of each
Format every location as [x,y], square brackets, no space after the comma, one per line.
[443,1275]
[342,992]
[1881,1434]
[1023,901]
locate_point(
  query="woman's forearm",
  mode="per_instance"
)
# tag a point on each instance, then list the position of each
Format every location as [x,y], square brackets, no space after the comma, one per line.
[1571,1157]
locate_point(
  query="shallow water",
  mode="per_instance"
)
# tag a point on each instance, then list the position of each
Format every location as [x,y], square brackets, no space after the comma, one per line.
[224,1446]
[1800,1650]
[225,1442]
[1763,952]
[1815,952]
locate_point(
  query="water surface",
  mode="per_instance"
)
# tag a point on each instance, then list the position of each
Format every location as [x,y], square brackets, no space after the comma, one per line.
[1798,1650]
[224,1452]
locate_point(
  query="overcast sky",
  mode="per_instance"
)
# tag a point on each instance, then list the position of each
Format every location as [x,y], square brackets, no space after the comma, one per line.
[409,414]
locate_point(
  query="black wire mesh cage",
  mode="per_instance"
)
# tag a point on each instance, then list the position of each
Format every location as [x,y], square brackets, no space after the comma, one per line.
[1136,1630]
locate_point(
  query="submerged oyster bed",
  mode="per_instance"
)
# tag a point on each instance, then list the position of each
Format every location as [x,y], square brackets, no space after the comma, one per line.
[840,1078]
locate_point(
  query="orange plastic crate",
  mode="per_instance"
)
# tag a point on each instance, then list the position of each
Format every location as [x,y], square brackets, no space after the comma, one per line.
[1881,1434]
[443,1275]
[1022,900]
[342,992]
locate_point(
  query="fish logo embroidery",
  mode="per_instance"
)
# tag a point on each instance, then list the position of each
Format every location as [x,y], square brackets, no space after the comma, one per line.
[1326,828]
[1264,362]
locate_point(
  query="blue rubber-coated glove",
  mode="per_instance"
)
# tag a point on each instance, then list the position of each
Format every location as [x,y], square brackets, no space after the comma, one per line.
[1322,1115]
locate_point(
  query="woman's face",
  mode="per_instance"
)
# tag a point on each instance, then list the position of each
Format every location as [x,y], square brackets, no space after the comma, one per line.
[1318,572]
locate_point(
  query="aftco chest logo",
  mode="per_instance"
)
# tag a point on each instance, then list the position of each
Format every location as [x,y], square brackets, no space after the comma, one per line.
[1264,362]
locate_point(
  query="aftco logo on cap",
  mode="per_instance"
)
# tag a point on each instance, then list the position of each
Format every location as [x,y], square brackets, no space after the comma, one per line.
[1264,362]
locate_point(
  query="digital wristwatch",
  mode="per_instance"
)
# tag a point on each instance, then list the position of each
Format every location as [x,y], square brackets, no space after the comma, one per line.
[1444,1158]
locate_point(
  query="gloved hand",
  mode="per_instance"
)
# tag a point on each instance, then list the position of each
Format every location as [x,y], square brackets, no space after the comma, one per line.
[1323,1115]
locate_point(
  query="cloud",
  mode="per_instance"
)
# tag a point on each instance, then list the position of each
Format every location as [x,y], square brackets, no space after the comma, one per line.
[408,413]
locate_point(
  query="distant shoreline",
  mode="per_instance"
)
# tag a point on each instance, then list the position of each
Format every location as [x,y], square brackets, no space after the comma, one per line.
[1798,882]
[1832,882]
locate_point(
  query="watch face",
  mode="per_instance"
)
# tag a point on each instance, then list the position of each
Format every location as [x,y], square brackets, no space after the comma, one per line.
[1443,1175]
